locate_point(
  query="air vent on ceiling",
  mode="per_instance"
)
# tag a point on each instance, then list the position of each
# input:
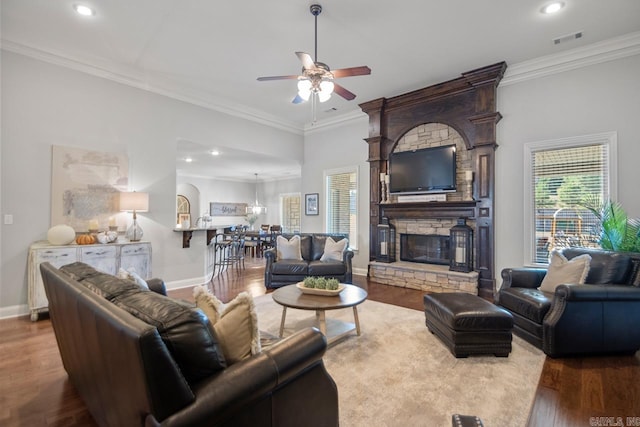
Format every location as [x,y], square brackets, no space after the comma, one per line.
[331,110]
[568,37]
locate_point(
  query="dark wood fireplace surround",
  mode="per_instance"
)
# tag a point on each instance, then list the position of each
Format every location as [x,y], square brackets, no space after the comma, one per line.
[467,104]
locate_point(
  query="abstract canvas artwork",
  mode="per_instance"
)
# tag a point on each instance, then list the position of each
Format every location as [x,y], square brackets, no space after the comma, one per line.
[85,186]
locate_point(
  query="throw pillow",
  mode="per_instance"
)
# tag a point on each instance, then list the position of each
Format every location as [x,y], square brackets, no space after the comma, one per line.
[561,270]
[132,276]
[235,323]
[288,249]
[333,251]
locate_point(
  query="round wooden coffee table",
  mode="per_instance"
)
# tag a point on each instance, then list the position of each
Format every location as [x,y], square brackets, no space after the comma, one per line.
[291,297]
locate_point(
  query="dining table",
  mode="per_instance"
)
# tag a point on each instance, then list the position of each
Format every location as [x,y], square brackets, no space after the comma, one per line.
[260,239]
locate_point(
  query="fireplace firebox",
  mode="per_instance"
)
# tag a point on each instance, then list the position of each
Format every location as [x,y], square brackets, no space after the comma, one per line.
[424,248]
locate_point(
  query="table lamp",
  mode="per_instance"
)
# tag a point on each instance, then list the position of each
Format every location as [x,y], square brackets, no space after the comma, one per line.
[132,201]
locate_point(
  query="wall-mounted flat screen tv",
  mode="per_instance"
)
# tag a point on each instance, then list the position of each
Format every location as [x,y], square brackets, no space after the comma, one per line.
[428,170]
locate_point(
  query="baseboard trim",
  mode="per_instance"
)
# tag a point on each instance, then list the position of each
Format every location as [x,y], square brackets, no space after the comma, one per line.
[360,271]
[14,311]
[186,283]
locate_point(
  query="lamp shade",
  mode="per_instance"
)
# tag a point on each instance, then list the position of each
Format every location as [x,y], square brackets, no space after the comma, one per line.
[134,201]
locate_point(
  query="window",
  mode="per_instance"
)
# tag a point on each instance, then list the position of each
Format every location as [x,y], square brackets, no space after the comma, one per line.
[342,202]
[561,176]
[290,212]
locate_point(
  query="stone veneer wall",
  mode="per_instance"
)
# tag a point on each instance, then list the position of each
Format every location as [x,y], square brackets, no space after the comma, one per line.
[429,277]
[424,277]
[437,135]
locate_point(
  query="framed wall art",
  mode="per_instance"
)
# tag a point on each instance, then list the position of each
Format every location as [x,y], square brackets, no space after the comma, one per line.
[311,204]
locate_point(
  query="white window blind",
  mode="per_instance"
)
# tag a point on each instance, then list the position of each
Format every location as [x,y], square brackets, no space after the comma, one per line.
[342,196]
[562,179]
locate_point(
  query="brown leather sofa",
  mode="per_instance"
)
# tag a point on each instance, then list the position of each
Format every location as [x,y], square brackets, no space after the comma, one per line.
[166,371]
[601,316]
[279,273]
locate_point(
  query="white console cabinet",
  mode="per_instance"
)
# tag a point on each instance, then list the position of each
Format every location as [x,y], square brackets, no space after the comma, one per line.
[108,258]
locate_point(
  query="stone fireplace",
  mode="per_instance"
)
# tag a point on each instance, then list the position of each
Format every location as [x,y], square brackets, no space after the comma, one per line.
[460,111]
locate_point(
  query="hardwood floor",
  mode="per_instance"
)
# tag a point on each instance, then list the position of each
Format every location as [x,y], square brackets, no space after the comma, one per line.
[34,390]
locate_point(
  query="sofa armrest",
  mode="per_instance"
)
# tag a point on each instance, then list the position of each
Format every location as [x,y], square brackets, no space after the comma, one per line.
[348,273]
[234,390]
[590,319]
[522,277]
[270,257]
[598,293]
[157,286]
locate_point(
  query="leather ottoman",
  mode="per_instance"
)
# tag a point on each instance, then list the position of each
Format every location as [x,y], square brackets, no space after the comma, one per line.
[468,324]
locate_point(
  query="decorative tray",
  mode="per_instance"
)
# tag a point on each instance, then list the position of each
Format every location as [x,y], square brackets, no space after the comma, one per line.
[323,292]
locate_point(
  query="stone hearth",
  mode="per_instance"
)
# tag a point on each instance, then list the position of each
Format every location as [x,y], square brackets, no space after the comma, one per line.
[424,277]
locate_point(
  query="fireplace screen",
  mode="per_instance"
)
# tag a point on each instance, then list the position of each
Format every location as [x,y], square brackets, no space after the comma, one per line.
[425,248]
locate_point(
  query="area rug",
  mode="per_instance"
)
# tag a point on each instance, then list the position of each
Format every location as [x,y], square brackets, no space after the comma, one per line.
[398,374]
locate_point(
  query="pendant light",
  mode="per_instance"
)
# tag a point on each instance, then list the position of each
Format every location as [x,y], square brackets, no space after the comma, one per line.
[257,208]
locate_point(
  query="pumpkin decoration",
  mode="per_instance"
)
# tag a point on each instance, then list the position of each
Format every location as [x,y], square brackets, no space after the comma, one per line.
[85,239]
[107,237]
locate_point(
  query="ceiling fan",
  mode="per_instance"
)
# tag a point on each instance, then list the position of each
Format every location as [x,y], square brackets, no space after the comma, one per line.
[317,78]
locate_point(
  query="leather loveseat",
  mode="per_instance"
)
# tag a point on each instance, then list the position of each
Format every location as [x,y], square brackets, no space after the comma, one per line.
[168,371]
[284,272]
[601,316]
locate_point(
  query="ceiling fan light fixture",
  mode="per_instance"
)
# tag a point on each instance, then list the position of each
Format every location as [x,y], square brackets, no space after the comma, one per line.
[324,96]
[327,86]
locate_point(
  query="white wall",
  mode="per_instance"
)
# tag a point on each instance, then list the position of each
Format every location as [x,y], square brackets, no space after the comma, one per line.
[44,104]
[269,194]
[593,99]
[333,148]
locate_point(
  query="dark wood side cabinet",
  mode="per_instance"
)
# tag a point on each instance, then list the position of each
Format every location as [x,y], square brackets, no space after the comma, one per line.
[467,104]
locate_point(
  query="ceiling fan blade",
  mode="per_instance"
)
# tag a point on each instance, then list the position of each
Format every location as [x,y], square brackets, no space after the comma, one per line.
[298,100]
[307,61]
[343,92]
[353,71]
[264,79]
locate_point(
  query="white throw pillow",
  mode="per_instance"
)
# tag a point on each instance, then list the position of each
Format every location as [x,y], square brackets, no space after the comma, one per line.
[132,276]
[564,271]
[235,323]
[288,249]
[333,251]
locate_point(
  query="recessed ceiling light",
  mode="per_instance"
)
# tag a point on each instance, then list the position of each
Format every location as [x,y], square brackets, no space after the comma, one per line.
[215,153]
[552,7]
[188,160]
[83,10]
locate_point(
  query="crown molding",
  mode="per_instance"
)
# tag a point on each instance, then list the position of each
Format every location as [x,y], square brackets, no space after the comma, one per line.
[335,122]
[596,53]
[141,82]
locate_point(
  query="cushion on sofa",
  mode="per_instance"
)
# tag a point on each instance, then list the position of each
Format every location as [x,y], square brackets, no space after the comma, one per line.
[333,251]
[290,267]
[327,268]
[186,332]
[305,247]
[235,323]
[103,284]
[605,267]
[288,249]
[561,271]
[530,303]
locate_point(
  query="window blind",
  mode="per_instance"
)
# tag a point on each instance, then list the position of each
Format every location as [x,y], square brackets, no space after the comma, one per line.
[341,203]
[562,181]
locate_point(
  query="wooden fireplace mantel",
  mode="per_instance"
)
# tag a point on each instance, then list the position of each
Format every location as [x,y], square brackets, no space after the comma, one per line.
[428,210]
[468,105]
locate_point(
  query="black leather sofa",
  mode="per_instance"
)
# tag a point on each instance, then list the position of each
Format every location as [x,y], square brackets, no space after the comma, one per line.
[279,273]
[130,372]
[601,316]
